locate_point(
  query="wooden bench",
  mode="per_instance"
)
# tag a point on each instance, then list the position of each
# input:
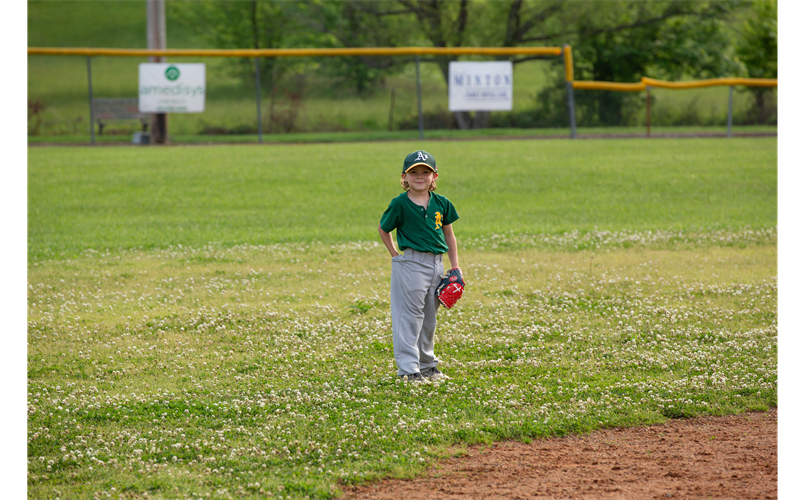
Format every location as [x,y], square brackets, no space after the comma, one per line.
[118,109]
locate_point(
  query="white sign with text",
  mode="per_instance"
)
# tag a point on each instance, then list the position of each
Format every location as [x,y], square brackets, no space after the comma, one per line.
[480,86]
[172,88]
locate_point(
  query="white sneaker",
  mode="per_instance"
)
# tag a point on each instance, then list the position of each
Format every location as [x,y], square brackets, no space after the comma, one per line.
[413,377]
[434,374]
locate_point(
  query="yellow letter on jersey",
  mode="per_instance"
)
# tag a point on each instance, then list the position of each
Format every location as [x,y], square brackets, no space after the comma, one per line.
[438,217]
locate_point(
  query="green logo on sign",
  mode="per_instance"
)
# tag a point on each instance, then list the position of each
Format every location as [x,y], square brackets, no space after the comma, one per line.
[172,73]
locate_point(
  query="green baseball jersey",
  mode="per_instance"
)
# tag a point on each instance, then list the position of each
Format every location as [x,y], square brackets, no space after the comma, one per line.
[417,227]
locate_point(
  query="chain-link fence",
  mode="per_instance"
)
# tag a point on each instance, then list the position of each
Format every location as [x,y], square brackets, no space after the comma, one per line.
[309,95]
[298,95]
[680,111]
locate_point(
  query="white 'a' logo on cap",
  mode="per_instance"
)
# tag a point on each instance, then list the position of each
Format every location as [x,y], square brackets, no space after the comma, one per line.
[421,156]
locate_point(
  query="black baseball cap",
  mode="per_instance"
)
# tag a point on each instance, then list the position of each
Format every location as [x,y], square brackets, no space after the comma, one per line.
[419,158]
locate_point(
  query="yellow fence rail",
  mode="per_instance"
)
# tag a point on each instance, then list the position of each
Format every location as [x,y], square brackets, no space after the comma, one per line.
[619,87]
[713,82]
[662,84]
[371,51]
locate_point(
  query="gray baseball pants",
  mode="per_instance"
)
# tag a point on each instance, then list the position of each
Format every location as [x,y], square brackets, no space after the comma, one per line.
[414,278]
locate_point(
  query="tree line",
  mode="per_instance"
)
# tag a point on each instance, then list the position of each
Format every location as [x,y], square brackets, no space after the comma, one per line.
[612,40]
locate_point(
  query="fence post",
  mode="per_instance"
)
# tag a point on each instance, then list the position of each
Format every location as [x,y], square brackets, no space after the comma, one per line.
[91,107]
[157,39]
[391,111]
[257,91]
[419,101]
[571,106]
[729,114]
[648,111]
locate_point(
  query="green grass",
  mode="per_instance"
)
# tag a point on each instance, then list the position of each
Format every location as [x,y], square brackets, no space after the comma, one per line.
[214,321]
[97,23]
[404,135]
[314,137]
[240,372]
[128,197]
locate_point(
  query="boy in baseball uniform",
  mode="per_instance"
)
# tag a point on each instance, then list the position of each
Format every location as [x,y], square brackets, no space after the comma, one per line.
[423,220]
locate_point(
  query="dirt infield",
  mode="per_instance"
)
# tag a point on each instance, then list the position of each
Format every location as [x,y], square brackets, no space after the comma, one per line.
[732,457]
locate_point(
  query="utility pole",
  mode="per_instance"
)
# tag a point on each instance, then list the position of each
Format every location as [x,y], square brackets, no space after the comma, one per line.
[92,106]
[157,40]
[419,102]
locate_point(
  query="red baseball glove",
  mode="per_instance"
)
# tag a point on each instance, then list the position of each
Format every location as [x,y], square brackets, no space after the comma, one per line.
[450,288]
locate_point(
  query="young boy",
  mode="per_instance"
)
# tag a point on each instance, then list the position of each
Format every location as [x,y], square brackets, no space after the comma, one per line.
[423,220]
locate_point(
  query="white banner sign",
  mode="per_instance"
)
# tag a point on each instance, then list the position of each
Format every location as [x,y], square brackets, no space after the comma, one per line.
[172,88]
[481,86]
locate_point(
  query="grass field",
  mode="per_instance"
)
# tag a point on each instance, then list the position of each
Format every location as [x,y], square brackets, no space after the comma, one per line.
[145,197]
[199,327]
[412,135]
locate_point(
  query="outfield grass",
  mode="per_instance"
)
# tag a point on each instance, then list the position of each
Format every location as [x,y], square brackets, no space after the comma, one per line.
[408,135]
[198,328]
[239,372]
[149,197]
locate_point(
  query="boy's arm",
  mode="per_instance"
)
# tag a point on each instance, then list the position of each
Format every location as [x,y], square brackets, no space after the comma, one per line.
[452,247]
[386,239]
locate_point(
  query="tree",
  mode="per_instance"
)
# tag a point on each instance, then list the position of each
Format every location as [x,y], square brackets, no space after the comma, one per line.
[663,39]
[238,24]
[443,24]
[613,40]
[757,50]
[624,40]
[616,40]
[355,23]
